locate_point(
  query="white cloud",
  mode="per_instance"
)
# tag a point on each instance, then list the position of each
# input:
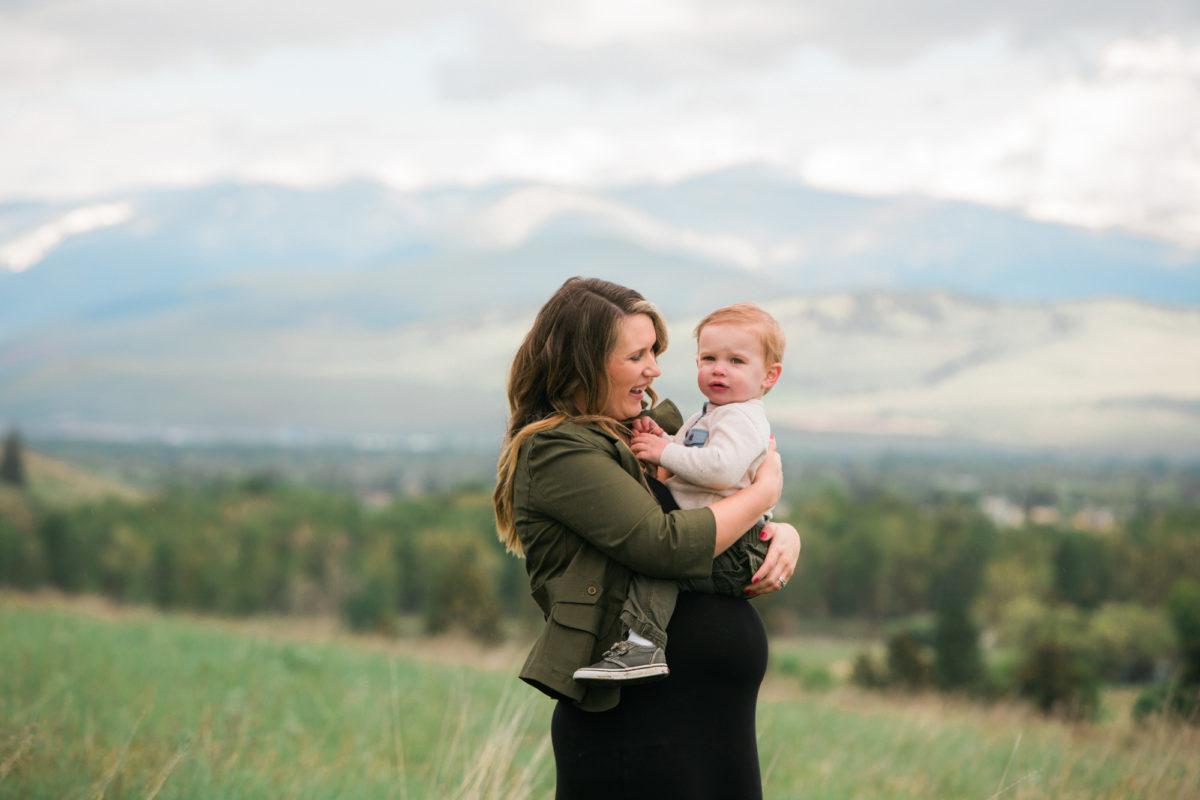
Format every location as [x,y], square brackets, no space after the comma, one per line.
[1116,148]
[1080,113]
[50,39]
[47,41]
[589,44]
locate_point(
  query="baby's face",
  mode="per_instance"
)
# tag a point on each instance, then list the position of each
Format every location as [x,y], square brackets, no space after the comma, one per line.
[730,364]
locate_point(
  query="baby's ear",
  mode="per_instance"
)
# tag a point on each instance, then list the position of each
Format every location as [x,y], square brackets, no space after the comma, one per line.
[773,373]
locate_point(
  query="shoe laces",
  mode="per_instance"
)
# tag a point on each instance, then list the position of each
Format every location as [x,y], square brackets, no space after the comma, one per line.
[619,649]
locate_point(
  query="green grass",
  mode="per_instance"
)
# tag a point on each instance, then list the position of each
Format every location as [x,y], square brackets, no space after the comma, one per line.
[178,708]
[862,745]
[138,705]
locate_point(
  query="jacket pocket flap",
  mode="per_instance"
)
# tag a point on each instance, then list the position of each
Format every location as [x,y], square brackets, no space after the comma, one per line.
[580,616]
[570,589]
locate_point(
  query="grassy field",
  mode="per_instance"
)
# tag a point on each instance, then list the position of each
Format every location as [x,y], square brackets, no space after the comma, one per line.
[97,702]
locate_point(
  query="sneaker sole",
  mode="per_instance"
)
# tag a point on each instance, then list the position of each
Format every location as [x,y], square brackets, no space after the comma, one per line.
[629,676]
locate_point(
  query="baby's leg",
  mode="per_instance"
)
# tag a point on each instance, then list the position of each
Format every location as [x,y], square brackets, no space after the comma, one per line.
[649,606]
[733,569]
[647,610]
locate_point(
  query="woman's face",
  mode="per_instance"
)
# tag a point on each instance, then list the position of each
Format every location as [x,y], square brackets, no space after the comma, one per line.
[632,366]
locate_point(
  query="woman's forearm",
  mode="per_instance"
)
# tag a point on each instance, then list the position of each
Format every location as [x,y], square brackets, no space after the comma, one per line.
[738,513]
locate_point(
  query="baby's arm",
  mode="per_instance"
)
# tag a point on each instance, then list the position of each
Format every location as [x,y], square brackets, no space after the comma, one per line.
[648,447]
[735,445]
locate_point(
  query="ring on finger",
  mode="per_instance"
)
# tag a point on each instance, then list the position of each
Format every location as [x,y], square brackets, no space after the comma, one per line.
[782,581]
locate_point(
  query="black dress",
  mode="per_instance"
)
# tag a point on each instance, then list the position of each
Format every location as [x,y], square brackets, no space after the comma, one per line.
[691,735]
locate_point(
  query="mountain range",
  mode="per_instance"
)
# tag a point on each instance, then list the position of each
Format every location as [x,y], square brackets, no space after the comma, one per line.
[388,317]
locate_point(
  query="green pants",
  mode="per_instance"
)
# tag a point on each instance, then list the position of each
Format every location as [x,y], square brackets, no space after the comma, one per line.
[651,601]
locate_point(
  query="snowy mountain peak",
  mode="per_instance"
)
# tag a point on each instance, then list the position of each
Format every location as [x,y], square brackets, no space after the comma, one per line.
[28,247]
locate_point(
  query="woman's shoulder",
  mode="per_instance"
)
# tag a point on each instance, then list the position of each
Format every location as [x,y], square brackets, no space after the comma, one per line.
[565,439]
[570,432]
[588,448]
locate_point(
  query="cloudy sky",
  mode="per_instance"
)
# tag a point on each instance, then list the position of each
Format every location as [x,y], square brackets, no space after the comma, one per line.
[1086,112]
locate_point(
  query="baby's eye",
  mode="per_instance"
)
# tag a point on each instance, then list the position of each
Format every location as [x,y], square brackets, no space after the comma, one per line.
[737,360]
[707,358]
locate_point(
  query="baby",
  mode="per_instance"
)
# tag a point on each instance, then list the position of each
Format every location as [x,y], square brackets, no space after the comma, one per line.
[716,452]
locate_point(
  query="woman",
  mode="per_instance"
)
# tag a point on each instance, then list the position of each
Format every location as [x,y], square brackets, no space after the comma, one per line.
[573,500]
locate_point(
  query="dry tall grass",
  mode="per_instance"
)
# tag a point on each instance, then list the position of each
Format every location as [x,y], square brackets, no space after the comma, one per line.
[96,701]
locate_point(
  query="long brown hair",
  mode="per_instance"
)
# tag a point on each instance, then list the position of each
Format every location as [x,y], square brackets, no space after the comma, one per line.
[564,358]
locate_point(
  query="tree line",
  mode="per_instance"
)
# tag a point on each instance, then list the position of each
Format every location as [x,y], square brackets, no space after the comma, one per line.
[256,547]
[935,574]
[1061,611]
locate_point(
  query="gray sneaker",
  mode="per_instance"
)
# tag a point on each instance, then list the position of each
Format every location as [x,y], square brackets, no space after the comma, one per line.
[626,663]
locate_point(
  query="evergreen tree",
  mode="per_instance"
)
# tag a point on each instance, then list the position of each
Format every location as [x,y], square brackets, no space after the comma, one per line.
[12,467]
[1184,610]
[962,545]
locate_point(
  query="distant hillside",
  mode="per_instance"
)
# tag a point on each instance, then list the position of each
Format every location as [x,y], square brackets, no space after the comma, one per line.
[388,318]
[921,368]
[59,483]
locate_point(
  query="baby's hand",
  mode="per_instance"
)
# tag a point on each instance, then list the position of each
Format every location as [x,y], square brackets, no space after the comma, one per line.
[646,425]
[648,447]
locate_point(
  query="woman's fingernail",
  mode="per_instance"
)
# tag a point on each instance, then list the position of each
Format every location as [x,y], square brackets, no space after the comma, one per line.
[762,535]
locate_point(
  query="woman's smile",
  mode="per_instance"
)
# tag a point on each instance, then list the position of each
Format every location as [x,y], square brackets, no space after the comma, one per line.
[632,367]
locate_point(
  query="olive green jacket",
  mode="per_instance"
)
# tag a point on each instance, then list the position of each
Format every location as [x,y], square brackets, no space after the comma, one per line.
[587,522]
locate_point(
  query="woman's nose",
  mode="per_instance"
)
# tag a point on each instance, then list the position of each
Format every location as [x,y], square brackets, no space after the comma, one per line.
[652,369]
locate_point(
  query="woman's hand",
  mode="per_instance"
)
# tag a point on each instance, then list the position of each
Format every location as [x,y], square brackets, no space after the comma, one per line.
[783,555]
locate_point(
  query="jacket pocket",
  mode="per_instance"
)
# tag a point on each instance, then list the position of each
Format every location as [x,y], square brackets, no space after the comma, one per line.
[577,618]
[572,637]
[573,601]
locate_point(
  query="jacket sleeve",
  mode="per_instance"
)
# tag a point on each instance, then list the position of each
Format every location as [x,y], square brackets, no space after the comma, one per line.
[735,445]
[585,488]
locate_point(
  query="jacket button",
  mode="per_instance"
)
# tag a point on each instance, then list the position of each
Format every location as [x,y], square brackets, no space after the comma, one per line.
[591,590]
